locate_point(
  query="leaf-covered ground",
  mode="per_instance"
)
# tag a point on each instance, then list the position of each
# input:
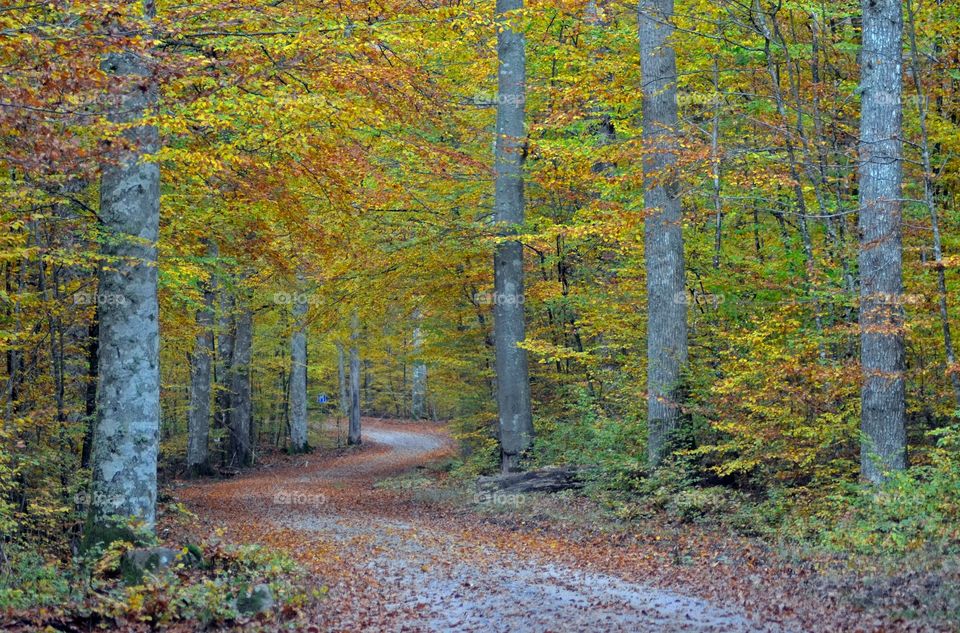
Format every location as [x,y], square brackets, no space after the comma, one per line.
[397,553]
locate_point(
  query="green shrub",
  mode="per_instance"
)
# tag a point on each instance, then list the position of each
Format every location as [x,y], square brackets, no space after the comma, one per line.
[477,437]
[583,434]
[697,504]
[916,508]
[202,588]
[27,580]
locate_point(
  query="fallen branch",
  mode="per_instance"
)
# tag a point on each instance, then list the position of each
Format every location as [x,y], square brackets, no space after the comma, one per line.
[545,480]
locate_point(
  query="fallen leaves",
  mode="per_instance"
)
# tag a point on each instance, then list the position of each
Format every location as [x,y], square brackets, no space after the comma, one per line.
[369,543]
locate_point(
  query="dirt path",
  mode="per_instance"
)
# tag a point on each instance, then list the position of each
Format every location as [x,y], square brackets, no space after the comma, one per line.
[394,563]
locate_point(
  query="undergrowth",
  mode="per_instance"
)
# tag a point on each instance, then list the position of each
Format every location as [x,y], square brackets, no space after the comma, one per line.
[209,587]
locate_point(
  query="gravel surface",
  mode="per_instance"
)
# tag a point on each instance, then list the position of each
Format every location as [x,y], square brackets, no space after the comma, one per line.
[423,575]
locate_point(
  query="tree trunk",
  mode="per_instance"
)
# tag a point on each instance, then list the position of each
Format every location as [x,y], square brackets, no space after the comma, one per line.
[418,408]
[223,399]
[90,391]
[716,164]
[298,379]
[342,381]
[125,441]
[512,373]
[353,435]
[367,389]
[663,240]
[240,414]
[198,423]
[883,421]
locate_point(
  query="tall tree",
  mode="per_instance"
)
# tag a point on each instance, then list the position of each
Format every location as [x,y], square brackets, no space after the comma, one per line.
[418,396]
[663,239]
[342,381]
[354,435]
[240,415]
[298,377]
[125,442]
[512,372]
[223,399]
[201,360]
[883,421]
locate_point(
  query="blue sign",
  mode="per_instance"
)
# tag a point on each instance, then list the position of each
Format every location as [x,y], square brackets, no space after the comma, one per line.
[322,398]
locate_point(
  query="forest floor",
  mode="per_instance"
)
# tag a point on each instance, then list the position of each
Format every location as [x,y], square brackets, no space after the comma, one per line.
[394,549]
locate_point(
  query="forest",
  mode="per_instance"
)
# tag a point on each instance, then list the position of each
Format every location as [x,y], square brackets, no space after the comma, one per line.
[479,315]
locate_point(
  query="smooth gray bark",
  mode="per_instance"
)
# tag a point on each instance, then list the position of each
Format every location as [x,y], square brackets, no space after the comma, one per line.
[716,164]
[883,421]
[342,381]
[367,390]
[201,361]
[663,239]
[418,396]
[240,423]
[298,378]
[126,436]
[224,359]
[512,372]
[353,435]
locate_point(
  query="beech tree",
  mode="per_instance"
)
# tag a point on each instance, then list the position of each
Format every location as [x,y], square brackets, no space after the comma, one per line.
[512,372]
[638,175]
[663,228]
[240,414]
[418,391]
[298,377]
[342,387]
[354,436]
[201,362]
[126,433]
[883,422]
